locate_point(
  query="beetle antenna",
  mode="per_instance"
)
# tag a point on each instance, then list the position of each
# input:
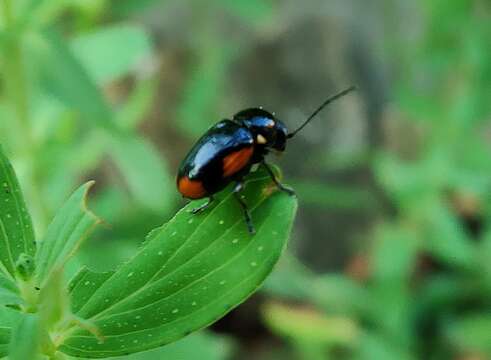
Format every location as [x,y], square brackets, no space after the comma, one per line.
[322,106]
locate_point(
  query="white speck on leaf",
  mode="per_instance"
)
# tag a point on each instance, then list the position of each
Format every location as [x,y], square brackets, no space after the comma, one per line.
[175,311]
[221,222]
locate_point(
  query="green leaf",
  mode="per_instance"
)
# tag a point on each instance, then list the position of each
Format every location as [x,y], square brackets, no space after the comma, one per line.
[137,104]
[16,233]
[147,177]
[446,237]
[472,333]
[189,273]
[111,52]
[72,224]
[9,319]
[204,87]
[7,283]
[25,339]
[307,325]
[83,286]
[65,78]
[8,297]
[394,253]
[373,346]
[290,280]
[53,300]
[340,295]
[5,334]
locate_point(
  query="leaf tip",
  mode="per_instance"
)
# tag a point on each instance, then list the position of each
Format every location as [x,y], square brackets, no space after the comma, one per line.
[85,207]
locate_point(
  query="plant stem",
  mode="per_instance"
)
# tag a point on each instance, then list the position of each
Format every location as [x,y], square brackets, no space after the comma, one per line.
[16,89]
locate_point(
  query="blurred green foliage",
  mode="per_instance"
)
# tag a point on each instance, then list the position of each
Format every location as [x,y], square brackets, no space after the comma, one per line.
[77,92]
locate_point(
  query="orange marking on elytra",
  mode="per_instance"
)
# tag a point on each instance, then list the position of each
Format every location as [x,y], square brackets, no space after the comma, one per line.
[235,161]
[192,189]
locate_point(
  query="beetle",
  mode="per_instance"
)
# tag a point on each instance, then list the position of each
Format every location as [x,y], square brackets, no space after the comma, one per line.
[228,150]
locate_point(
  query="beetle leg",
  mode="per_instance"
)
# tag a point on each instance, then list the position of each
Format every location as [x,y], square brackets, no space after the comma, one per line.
[203,207]
[238,187]
[276,181]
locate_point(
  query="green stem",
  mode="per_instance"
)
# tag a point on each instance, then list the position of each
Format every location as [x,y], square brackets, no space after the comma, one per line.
[16,89]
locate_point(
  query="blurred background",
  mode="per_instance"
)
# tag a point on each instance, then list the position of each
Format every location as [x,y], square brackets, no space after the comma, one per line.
[390,257]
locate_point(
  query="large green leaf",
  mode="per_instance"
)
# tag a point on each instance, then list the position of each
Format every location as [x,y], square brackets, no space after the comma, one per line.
[16,234]
[190,272]
[111,52]
[72,224]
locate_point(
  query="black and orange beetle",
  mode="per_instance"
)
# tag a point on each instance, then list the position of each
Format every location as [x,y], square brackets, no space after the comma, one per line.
[227,151]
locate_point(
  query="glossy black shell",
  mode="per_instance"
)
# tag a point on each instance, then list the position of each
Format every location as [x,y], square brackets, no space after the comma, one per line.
[204,162]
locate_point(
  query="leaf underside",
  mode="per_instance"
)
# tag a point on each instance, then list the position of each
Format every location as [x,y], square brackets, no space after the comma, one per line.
[190,272]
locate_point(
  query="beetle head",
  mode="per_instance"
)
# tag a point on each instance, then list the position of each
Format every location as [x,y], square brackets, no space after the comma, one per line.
[266,129]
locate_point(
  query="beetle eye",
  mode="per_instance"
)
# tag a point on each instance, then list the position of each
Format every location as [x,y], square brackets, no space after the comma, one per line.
[261,139]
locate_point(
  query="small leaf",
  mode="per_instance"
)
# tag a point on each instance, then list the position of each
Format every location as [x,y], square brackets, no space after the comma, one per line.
[72,224]
[189,273]
[25,339]
[124,45]
[16,234]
